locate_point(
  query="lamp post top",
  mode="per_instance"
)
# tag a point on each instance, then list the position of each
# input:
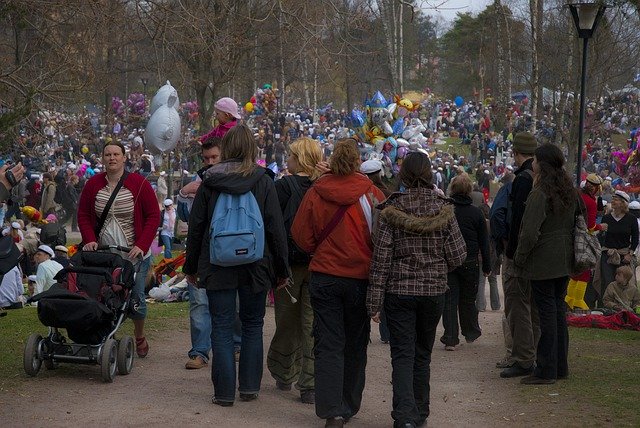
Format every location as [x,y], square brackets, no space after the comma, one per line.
[586,16]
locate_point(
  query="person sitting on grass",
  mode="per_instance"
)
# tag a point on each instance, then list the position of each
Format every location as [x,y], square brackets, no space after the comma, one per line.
[621,294]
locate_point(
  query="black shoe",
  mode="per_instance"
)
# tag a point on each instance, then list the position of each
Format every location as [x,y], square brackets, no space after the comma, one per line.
[283,386]
[504,364]
[308,396]
[516,371]
[222,403]
[535,380]
[248,397]
[334,422]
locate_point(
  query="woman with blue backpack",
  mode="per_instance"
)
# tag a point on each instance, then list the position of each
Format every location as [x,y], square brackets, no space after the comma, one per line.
[290,358]
[236,246]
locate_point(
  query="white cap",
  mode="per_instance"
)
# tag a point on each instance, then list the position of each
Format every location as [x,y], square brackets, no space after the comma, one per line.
[167,202]
[61,248]
[486,171]
[509,167]
[371,166]
[46,249]
[185,172]
[32,278]
[15,225]
[162,173]
[622,195]
[635,205]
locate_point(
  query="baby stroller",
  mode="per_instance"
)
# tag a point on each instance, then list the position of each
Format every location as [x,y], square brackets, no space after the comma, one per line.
[91,300]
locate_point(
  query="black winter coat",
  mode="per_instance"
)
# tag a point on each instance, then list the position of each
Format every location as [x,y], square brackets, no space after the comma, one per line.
[262,274]
[474,230]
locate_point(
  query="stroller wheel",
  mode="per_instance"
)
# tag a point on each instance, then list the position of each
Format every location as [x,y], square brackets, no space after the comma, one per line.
[125,355]
[32,360]
[108,363]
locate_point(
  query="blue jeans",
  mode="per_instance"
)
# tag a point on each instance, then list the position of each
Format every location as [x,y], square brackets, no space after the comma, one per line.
[222,304]
[166,242]
[200,322]
[137,293]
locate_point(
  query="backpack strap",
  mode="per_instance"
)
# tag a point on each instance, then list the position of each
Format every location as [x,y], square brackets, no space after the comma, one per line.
[107,207]
[335,220]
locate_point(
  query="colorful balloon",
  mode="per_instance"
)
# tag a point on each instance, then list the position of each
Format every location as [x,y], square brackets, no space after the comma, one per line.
[162,97]
[163,129]
[459,101]
[248,107]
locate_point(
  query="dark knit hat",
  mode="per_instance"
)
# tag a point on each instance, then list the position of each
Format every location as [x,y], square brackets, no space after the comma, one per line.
[525,143]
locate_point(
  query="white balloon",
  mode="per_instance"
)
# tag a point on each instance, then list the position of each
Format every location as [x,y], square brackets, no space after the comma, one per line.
[163,129]
[161,98]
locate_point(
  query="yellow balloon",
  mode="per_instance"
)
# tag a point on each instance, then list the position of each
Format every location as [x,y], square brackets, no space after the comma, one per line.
[248,107]
[84,150]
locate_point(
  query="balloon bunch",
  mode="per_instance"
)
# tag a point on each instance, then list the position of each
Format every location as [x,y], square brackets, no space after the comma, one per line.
[385,133]
[136,104]
[117,106]
[163,129]
[190,109]
[264,101]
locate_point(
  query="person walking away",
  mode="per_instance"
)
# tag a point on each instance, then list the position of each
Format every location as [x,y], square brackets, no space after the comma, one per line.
[47,204]
[236,174]
[545,257]
[290,358]
[417,241]
[131,221]
[519,306]
[334,224]
[167,226]
[577,288]
[460,298]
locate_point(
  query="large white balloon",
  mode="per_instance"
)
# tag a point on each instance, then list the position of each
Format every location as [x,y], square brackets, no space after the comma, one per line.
[161,98]
[163,129]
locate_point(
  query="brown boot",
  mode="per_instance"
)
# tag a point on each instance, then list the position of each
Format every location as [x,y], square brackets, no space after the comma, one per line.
[196,362]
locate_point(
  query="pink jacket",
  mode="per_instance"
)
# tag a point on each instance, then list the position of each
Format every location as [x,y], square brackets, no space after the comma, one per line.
[219,131]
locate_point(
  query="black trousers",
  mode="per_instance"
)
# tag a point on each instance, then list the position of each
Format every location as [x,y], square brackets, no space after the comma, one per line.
[412,324]
[553,346]
[460,303]
[341,334]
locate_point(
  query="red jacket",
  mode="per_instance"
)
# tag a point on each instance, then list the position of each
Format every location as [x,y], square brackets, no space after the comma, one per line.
[347,251]
[146,214]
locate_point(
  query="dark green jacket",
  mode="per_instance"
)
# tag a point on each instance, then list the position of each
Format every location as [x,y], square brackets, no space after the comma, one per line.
[545,242]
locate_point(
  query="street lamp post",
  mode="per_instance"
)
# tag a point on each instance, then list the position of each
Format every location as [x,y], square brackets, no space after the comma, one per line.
[586,16]
[144,82]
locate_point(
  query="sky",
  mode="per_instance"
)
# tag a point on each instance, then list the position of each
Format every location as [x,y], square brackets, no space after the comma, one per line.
[448,9]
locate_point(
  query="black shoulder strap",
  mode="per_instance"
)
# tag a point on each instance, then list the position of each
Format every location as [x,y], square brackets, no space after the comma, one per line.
[107,207]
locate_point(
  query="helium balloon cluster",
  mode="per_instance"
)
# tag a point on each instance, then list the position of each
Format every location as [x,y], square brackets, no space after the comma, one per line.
[264,101]
[190,110]
[117,106]
[387,131]
[163,129]
[136,104]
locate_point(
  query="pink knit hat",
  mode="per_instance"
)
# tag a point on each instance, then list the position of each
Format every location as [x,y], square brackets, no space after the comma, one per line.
[51,218]
[227,105]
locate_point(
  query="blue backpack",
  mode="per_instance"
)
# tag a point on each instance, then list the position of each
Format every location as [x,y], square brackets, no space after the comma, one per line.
[237,230]
[500,214]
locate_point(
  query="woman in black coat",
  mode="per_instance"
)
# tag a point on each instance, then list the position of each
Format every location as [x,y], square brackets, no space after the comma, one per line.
[460,300]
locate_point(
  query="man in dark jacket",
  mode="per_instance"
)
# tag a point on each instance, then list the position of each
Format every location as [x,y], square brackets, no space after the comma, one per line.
[519,308]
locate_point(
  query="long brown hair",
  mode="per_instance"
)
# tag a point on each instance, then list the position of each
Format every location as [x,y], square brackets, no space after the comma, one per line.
[416,171]
[238,143]
[345,159]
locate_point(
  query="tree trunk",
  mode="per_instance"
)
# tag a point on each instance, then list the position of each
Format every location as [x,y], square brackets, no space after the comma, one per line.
[305,81]
[315,87]
[282,74]
[389,26]
[401,50]
[535,7]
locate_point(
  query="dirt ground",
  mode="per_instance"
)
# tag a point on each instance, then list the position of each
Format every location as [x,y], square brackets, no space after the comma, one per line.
[466,390]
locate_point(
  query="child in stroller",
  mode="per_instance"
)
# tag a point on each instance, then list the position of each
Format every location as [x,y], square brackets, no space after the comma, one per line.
[91,301]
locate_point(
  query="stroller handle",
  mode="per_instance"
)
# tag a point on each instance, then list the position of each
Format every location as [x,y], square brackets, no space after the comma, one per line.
[113,247]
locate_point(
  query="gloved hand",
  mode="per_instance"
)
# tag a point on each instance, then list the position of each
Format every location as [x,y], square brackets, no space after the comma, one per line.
[637,310]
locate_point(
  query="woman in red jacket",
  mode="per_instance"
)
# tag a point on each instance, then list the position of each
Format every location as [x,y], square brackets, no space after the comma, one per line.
[333,223]
[131,222]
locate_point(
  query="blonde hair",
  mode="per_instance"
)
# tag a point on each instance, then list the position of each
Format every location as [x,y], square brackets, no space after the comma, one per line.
[345,159]
[461,185]
[309,154]
[238,143]
[626,271]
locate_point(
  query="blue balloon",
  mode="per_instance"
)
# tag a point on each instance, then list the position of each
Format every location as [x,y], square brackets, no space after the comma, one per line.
[398,126]
[459,101]
[357,118]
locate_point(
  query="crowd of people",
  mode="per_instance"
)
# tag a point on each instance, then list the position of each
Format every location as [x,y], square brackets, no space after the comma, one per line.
[339,242]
